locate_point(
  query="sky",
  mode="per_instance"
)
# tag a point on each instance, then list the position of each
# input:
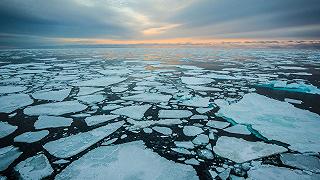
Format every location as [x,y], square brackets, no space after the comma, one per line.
[28,23]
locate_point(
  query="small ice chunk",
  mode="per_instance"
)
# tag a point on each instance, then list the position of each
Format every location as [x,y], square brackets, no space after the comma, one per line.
[13,102]
[192,130]
[195,81]
[74,144]
[201,139]
[58,95]
[225,174]
[31,137]
[174,113]
[149,97]
[8,155]
[163,130]
[196,102]
[11,89]
[192,161]
[181,150]
[134,112]
[205,88]
[228,147]
[126,161]
[36,167]
[292,101]
[217,124]
[238,129]
[205,153]
[6,129]
[57,108]
[109,142]
[52,122]
[199,117]
[147,130]
[94,120]
[184,144]
[301,161]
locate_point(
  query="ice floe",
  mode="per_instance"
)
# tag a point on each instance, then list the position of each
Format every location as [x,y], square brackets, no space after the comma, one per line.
[52,122]
[201,139]
[8,155]
[217,124]
[196,102]
[97,119]
[294,87]
[148,97]
[126,161]
[101,82]
[74,144]
[228,147]
[88,90]
[11,89]
[174,113]
[54,95]
[134,112]
[276,120]
[238,129]
[163,130]
[36,167]
[57,108]
[6,129]
[192,130]
[13,102]
[301,161]
[195,81]
[30,137]
[89,99]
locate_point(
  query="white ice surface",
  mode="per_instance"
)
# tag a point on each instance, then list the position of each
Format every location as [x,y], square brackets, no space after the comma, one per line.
[134,112]
[6,129]
[8,155]
[217,124]
[13,102]
[195,81]
[88,90]
[89,99]
[97,119]
[192,130]
[30,137]
[196,101]
[238,129]
[101,82]
[174,113]
[126,161]
[52,122]
[54,95]
[148,97]
[163,130]
[74,144]
[301,161]
[11,89]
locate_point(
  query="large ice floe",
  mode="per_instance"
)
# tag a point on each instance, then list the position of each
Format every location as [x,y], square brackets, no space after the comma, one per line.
[52,122]
[30,137]
[8,155]
[101,82]
[240,150]
[126,161]
[57,108]
[13,102]
[134,112]
[6,129]
[74,144]
[276,120]
[294,87]
[36,167]
[149,97]
[55,95]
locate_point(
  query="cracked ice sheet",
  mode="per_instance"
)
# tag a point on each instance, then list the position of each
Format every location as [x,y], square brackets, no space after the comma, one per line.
[36,167]
[126,161]
[13,102]
[8,155]
[148,97]
[58,95]
[301,161]
[276,120]
[74,144]
[57,108]
[101,82]
[134,112]
[228,147]
[268,172]
[6,129]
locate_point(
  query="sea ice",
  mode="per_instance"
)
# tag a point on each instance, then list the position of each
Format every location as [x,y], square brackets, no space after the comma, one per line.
[196,101]
[11,89]
[294,87]
[88,90]
[101,82]
[219,76]
[31,137]
[301,161]
[276,120]
[148,97]
[97,119]
[52,122]
[134,112]
[192,130]
[13,102]
[205,88]
[181,150]
[228,147]
[238,129]
[57,108]
[8,155]
[201,139]
[174,113]
[58,95]
[217,124]
[163,130]
[36,167]
[195,81]
[126,161]
[90,99]
[184,144]
[74,144]
[6,129]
